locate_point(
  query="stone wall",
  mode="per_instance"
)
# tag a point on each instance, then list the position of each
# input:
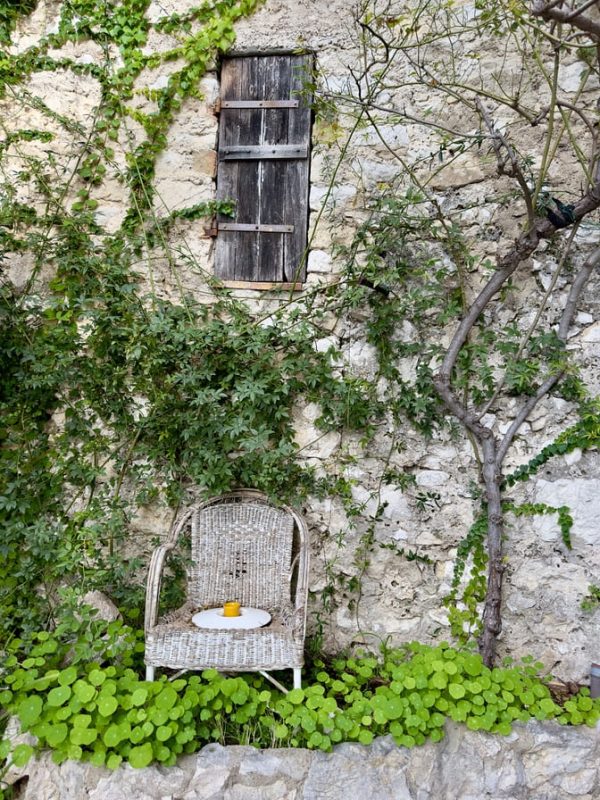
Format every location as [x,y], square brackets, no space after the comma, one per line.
[536,762]
[400,599]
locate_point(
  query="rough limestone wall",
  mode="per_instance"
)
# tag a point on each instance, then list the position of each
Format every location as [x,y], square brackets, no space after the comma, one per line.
[536,762]
[400,599]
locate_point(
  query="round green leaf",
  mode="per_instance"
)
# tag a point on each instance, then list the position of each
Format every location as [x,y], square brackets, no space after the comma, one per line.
[457,690]
[83,691]
[439,680]
[107,705]
[163,733]
[547,705]
[21,754]
[83,736]
[67,676]
[280,731]
[138,698]
[113,760]
[29,710]
[394,708]
[57,733]
[114,734]
[166,699]
[159,716]
[296,696]
[97,758]
[59,695]
[97,677]
[141,756]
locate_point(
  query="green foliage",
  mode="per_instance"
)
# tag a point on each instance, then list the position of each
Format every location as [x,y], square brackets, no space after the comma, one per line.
[171,394]
[463,602]
[391,273]
[565,520]
[100,711]
[584,434]
[10,11]
[592,601]
[113,397]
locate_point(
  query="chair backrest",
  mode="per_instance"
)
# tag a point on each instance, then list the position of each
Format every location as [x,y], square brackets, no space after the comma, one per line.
[241,550]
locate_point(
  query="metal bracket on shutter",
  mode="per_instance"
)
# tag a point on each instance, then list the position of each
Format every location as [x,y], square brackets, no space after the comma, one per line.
[254,228]
[259,103]
[264,151]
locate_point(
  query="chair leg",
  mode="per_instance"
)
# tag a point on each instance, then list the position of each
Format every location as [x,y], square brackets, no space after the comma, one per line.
[149,673]
[297,678]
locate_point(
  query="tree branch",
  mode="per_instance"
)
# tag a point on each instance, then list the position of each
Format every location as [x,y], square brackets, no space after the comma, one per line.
[522,249]
[551,13]
[577,288]
[499,141]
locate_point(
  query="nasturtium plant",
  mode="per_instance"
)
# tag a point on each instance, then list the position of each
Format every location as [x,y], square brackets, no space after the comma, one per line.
[104,712]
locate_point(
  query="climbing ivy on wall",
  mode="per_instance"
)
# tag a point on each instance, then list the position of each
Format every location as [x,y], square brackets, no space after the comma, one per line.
[113,397]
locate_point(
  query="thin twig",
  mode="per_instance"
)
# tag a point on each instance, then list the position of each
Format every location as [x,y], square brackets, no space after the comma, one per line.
[563,329]
[499,141]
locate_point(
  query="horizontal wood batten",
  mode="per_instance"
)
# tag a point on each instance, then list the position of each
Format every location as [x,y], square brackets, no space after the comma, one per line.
[254,228]
[259,103]
[262,152]
[263,286]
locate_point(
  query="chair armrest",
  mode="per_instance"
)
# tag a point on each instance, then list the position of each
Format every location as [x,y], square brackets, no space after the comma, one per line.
[153,586]
[156,567]
[301,565]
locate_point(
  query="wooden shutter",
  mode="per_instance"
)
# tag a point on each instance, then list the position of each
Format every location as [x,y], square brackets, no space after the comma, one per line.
[264,150]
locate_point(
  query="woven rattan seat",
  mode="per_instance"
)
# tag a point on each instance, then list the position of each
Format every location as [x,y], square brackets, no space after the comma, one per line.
[244,548]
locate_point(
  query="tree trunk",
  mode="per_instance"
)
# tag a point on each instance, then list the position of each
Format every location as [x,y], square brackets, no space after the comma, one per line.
[492,618]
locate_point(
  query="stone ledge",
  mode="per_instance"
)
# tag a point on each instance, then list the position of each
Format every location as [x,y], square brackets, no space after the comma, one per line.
[538,761]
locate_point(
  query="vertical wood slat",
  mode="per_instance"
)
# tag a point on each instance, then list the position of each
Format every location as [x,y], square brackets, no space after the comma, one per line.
[236,254]
[297,179]
[276,84]
[266,192]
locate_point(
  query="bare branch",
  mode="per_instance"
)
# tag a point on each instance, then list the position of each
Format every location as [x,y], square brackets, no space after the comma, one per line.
[551,13]
[577,287]
[522,249]
[576,12]
[499,142]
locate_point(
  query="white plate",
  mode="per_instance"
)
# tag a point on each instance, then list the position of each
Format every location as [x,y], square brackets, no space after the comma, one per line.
[249,618]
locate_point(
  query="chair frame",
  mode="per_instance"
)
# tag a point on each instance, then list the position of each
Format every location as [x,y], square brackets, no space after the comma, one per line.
[298,580]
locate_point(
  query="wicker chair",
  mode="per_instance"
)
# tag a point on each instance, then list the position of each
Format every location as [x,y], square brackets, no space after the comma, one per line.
[243,548]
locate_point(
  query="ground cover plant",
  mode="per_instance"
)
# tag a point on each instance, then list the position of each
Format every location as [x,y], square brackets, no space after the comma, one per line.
[79,692]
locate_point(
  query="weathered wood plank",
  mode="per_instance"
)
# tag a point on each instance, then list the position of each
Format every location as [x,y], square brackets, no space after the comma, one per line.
[236,254]
[263,286]
[297,177]
[276,83]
